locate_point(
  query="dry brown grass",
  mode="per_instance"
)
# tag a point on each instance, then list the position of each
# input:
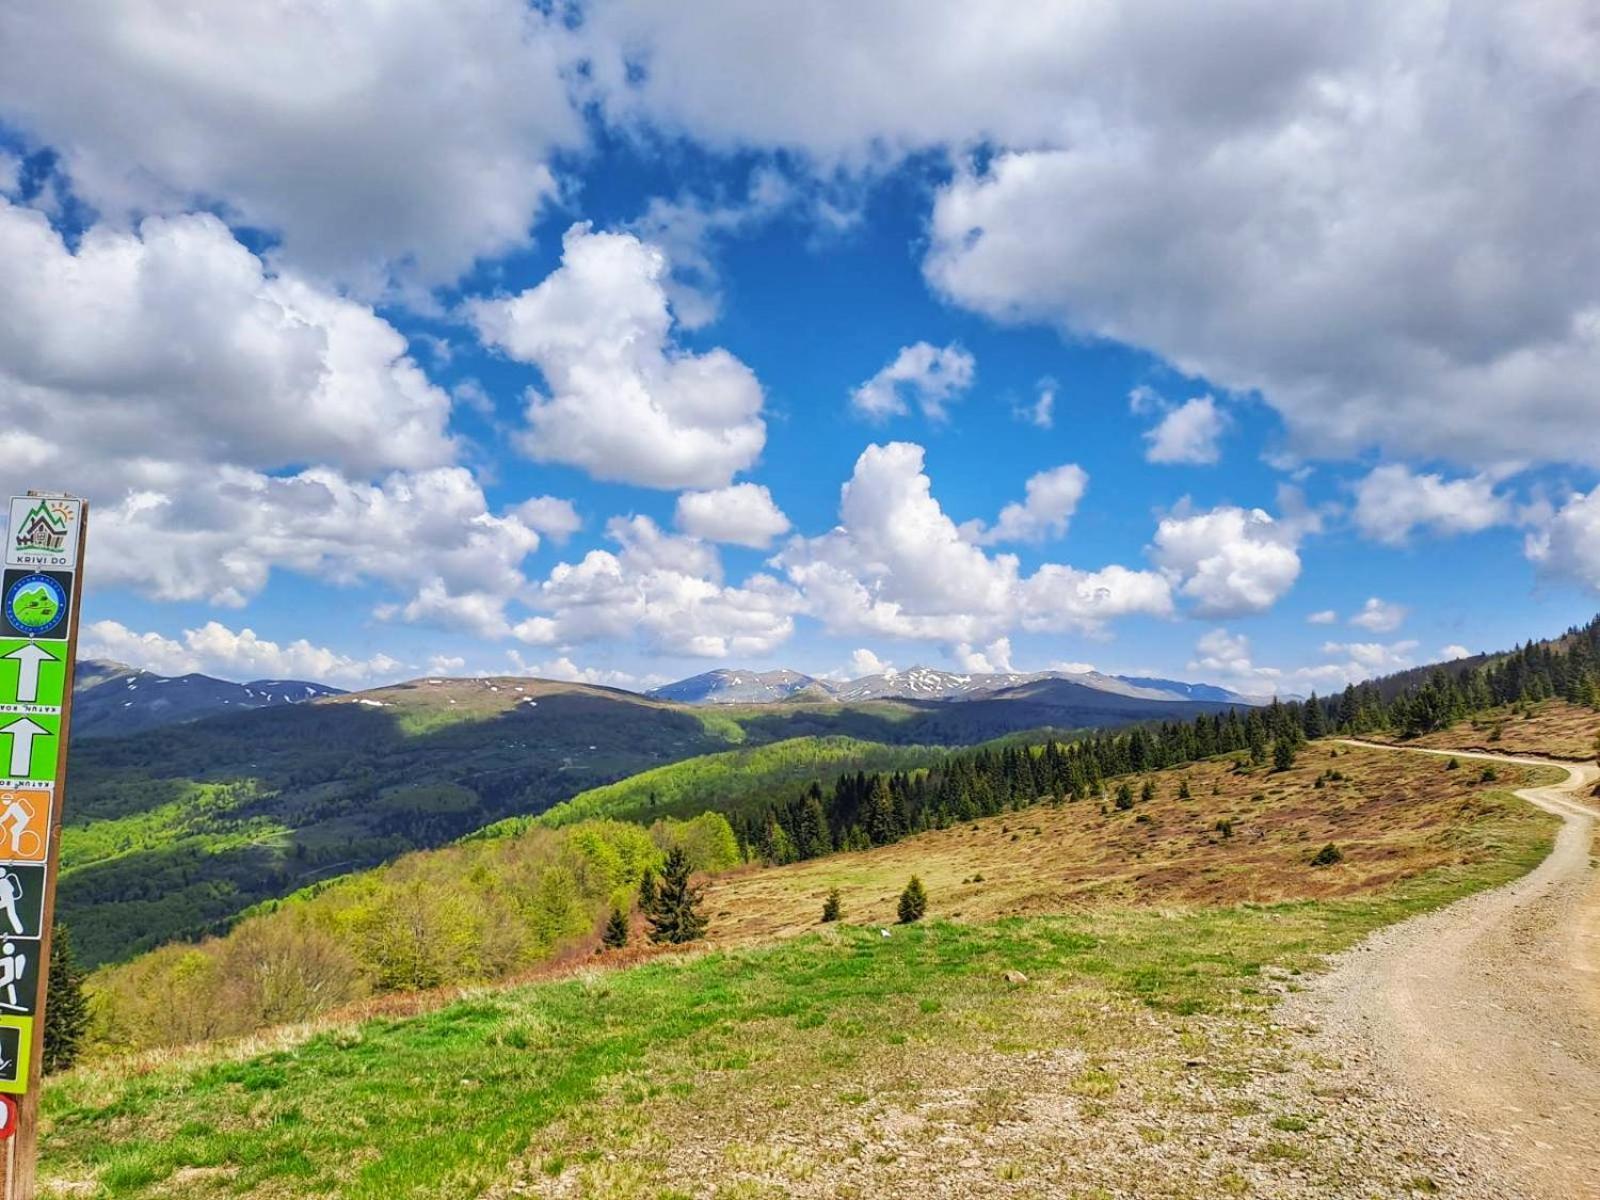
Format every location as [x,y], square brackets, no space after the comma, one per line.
[1556,729]
[1393,815]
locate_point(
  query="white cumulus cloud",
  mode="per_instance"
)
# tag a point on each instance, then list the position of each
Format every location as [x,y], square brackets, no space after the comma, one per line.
[1392,501]
[930,376]
[896,565]
[378,140]
[174,342]
[743,515]
[625,402]
[1379,616]
[864,662]
[666,591]
[552,516]
[1188,434]
[215,649]
[1051,498]
[1228,560]
[1566,545]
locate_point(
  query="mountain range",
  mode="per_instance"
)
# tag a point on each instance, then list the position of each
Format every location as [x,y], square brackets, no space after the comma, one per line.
[110,699]
[730,686]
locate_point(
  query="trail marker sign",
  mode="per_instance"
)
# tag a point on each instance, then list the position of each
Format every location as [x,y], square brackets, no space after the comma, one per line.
[39,595]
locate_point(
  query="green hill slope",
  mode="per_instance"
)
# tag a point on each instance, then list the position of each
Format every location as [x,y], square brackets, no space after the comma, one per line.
[175,831]
[730,782]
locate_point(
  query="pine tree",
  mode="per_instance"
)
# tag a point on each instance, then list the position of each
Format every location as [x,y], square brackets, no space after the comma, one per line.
[66,1015]
[913,902]
[1256,739]
[1124,799]
[647,891]
[1282,754]
[675,917]
[615,934]
[1147,793]
[832,907]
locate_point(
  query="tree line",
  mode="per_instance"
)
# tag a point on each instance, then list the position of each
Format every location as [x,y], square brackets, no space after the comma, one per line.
[858,809]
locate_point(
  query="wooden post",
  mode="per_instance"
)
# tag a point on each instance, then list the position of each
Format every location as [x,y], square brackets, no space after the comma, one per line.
[20,1159]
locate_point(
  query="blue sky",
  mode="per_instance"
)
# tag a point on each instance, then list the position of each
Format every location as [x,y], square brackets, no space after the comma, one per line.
[422,338]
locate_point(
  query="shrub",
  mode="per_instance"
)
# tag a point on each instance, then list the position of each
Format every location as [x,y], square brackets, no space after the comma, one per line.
[913,902]
[1488,775]
[1453,765]
[832,907]
[1225,828]
[1327,856]
[1124,797]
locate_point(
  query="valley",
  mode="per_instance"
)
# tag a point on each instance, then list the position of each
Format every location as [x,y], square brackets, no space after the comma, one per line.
[1134,1034]
[176,830]
[1120,985]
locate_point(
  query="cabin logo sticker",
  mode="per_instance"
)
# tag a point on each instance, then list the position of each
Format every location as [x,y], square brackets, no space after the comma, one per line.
[42,532]
[35,604]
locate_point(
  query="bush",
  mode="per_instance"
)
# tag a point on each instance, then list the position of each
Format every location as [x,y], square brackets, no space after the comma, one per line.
[1124,797]
[1453,765]
[1488,775]
[913,902]
[1225,828]
[832,907]
[1327,856]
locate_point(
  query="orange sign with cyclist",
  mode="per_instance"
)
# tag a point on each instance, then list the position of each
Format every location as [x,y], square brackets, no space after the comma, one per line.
[24,824]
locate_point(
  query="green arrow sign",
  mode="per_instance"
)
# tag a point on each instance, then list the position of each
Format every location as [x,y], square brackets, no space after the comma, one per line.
[28,746]
[32,672]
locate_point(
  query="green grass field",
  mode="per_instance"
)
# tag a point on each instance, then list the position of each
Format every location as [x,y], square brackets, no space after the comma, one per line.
[591,1079]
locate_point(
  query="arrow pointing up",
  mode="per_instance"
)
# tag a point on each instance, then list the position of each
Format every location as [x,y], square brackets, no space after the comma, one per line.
[22,731]
[28,657]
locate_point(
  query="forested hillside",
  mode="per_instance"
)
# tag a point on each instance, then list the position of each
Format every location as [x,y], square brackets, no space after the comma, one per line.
[174,832]
[462,914]
[730,782]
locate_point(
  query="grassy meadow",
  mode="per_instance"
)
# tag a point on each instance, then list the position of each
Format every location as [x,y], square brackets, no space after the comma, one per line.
[1081,1020]
[1543,727]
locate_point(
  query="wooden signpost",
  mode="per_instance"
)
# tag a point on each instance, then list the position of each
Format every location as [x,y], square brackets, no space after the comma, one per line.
[39,596]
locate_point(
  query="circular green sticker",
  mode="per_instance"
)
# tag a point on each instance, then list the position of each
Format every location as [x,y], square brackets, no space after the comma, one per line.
[36,604]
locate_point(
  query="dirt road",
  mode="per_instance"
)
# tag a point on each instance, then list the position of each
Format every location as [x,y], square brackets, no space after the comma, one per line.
[1487,1013]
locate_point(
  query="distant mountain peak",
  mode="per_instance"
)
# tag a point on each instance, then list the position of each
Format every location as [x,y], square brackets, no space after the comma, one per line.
[111,698]
[727,685]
